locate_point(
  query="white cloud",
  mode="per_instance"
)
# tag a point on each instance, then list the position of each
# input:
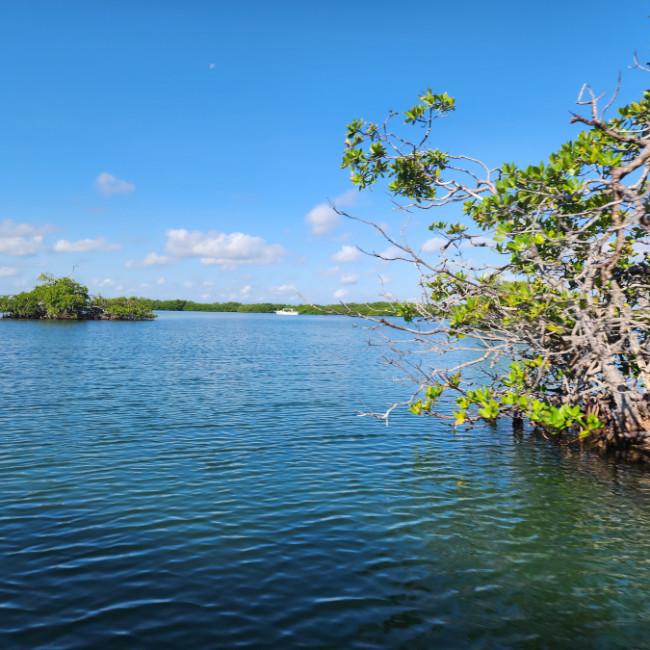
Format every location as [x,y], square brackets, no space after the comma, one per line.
[107,185]
[339,294]
[349,278]
[328,273]
[284,288]
[188,285]
[213,66]
[346,254]
[392,253]
[219,249]
[640,248]
[150,260]
[160,281]
[6,271]
[20,245]
[478,241]
[245,291]
[433,245]
[207,283]
[85,245]
[322,219]
[104,283]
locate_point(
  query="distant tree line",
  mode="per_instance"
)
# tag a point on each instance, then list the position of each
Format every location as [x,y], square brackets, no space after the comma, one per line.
[374,308]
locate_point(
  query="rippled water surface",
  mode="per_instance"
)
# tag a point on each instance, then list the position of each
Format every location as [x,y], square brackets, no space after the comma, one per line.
[204,481]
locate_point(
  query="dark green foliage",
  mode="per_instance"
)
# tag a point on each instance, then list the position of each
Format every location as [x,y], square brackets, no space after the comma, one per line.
[167,305]
[122,308]
[366,309]
[260,308]
[65,299]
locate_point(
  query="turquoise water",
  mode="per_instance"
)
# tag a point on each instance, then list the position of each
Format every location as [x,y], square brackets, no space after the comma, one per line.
[204,481]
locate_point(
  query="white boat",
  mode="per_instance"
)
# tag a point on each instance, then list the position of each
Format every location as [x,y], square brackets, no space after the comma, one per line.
[286,311]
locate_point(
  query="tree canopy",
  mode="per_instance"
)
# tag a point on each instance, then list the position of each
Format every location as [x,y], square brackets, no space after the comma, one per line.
[64,299]
[557,315]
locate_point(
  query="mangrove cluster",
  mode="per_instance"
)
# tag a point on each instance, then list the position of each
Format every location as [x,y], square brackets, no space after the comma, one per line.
[566,346]
[64,299]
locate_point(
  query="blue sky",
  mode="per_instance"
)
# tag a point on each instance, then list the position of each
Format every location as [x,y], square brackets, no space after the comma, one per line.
[170,149]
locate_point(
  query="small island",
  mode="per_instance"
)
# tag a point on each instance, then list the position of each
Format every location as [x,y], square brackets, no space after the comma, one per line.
[64,299]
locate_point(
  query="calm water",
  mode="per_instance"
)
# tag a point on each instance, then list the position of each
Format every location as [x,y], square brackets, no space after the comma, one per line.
[203,481]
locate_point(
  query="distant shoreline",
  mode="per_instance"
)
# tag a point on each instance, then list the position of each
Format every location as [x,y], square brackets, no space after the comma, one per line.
[382,308]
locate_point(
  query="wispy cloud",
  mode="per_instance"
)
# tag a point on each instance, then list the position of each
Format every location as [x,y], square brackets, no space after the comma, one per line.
[6,271]
[349,278]
[284,288]
[478,241]
[104,283]
[85,245]
[328,273]
[220,249]
[339,294]
[347,199]
[435,244]
[108,185]
[10,228]
[346,254]
[150,260]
